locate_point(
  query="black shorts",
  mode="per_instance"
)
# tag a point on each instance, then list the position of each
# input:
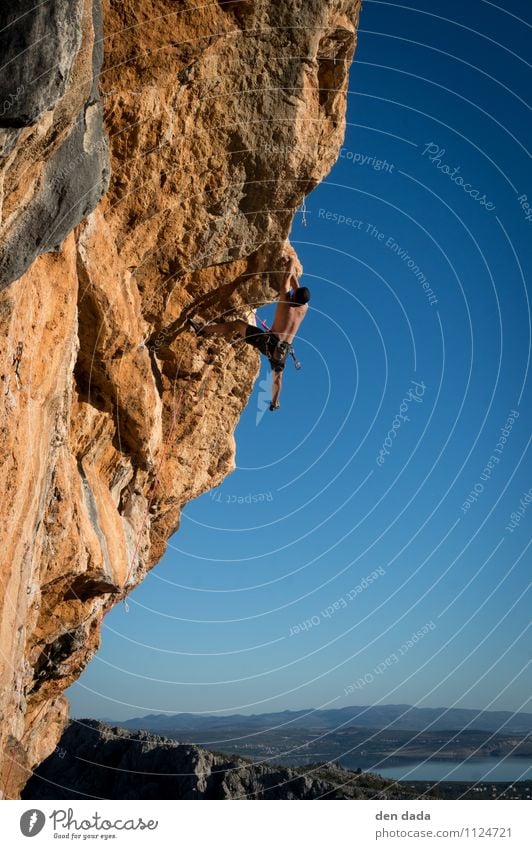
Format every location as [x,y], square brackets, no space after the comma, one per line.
[264,341]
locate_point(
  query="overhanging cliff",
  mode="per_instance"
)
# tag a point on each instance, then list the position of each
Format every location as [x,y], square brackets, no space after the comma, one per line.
[218,120]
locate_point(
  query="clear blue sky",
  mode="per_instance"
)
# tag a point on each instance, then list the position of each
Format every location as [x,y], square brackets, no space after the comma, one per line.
[311,511]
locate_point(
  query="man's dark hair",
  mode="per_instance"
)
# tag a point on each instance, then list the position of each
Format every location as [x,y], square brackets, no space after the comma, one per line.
[302,295]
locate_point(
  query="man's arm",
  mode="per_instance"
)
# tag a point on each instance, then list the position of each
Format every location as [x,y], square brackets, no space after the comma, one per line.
[289,279]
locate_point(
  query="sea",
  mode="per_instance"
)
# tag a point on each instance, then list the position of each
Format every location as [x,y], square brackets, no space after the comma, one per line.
[479,769]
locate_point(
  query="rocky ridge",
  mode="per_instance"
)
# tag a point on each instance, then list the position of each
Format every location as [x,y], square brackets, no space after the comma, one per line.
[138,765]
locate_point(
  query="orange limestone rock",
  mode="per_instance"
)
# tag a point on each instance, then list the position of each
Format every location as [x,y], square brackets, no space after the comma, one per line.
[135,193]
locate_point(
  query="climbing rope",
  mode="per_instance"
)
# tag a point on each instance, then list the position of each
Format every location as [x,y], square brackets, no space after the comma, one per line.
[175,414]
[177,405]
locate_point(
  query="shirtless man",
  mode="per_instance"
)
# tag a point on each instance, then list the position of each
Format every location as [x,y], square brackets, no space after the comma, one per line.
[276,343]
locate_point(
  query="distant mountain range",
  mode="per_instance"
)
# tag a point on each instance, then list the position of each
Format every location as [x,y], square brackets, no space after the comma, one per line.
[393,717]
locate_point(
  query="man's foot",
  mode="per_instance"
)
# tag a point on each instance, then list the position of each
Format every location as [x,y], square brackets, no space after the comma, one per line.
[274,406]
[196,326]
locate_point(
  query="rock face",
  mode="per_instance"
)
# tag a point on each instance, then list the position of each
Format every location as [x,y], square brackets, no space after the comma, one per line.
[218,120]
[137,765]
[55,155]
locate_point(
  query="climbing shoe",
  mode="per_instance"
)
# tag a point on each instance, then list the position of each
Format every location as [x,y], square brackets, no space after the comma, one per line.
[196,326]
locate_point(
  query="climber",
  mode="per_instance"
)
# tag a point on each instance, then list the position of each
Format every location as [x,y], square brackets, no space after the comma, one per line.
[276,343]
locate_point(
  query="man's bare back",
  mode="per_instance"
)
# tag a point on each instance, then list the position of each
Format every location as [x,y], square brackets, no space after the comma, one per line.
[287,320]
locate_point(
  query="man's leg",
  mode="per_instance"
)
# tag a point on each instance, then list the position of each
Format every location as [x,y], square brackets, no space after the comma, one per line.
[225,329]
[276,387]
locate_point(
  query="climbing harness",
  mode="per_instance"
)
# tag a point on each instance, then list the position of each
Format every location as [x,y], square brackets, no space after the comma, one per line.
[281,350]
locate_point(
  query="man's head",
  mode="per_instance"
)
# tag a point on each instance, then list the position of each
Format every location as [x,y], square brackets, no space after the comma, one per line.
[301,296]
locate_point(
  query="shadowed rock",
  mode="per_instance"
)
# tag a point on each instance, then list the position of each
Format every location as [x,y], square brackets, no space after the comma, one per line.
[96,760]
